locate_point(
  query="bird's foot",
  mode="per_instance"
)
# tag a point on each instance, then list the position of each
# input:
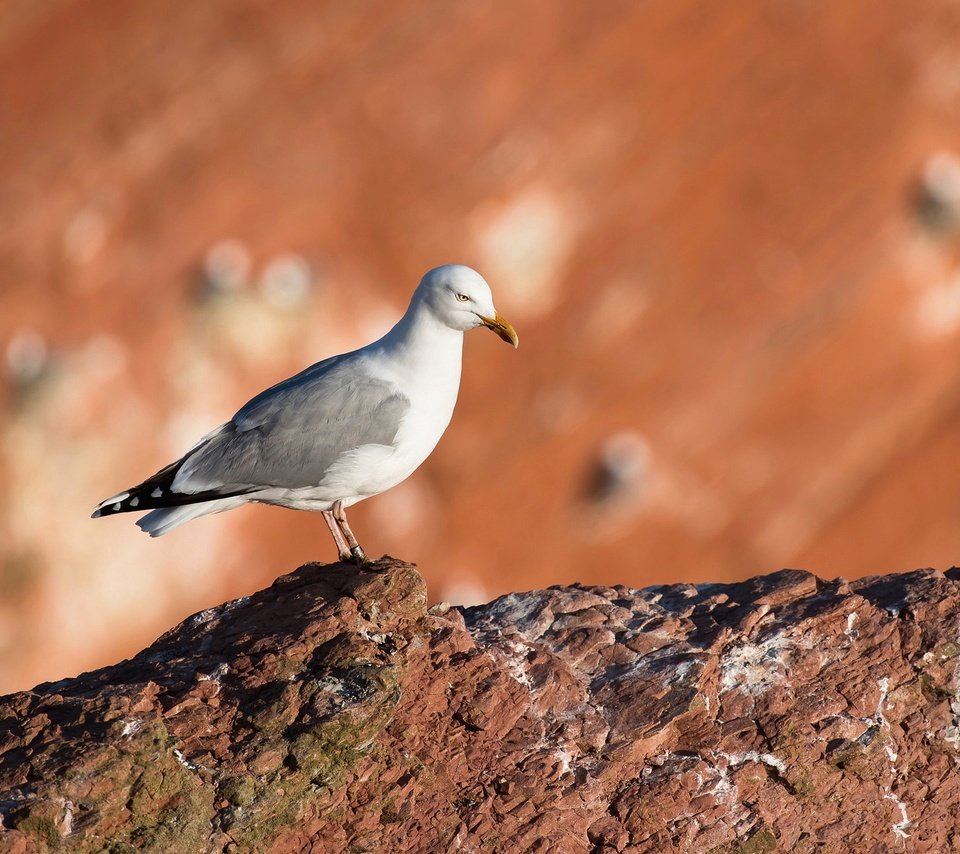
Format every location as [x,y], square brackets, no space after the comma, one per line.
[357,556]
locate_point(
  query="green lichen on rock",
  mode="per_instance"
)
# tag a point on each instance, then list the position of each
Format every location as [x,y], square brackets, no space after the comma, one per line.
[851,757]
[403,594]
[41,828]
[324,754]
[168,805]
[319,755]
[946,651]
[169,808]
[760,843]
[239,790]
[165,806]
[278,705]
[800,784]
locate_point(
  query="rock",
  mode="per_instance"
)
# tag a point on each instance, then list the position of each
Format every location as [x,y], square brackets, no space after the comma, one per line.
[334,711]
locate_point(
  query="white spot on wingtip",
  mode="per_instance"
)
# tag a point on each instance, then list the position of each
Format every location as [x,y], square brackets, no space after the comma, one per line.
[156,493]
[116,506]
[134,502]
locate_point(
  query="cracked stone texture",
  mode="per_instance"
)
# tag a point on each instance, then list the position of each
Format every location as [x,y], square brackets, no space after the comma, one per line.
[334,712]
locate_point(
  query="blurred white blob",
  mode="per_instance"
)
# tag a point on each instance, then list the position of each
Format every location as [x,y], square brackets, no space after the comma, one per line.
[938,311]
[523,246]
[287,281]
[621,468]
[85,235]
[464,589]
[27,357]
[226,266]
[939,201]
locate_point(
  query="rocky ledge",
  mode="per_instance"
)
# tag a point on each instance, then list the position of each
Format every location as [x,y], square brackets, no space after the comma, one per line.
[335,712]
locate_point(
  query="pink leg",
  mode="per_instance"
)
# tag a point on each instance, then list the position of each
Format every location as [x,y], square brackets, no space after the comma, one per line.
[343,550]
[340,514]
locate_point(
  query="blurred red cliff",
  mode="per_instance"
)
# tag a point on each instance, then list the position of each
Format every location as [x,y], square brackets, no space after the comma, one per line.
[727,236]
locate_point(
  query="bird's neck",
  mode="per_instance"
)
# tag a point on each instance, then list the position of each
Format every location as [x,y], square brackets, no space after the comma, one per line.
[422,342]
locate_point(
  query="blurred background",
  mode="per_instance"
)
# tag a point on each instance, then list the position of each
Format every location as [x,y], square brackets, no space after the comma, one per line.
[727,235]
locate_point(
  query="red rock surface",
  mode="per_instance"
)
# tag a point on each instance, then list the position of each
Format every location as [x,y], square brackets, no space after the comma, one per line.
[702,220]
[334,712]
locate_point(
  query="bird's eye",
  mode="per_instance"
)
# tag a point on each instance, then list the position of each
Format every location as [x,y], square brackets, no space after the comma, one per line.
[462,297]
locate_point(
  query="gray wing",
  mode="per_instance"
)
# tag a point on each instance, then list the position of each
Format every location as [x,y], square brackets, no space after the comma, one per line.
[290,434]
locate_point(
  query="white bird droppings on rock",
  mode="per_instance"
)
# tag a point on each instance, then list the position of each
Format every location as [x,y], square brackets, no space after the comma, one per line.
[755,668]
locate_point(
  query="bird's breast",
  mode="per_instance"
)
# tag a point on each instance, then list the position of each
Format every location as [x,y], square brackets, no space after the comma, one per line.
[425,421]
[430,381]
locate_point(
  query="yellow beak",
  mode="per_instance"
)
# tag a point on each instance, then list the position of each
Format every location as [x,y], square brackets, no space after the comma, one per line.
[502,328]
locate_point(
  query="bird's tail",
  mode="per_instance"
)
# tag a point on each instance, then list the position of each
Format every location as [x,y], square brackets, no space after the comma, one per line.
[164,519]
[152,493]
[170,507]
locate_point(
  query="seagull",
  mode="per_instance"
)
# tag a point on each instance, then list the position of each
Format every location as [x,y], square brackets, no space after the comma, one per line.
[342,430]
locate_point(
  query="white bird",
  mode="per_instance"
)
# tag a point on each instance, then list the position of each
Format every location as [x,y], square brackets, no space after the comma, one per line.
[344,429]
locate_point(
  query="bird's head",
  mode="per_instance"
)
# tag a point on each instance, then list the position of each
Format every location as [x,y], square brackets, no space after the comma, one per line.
[461,299]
